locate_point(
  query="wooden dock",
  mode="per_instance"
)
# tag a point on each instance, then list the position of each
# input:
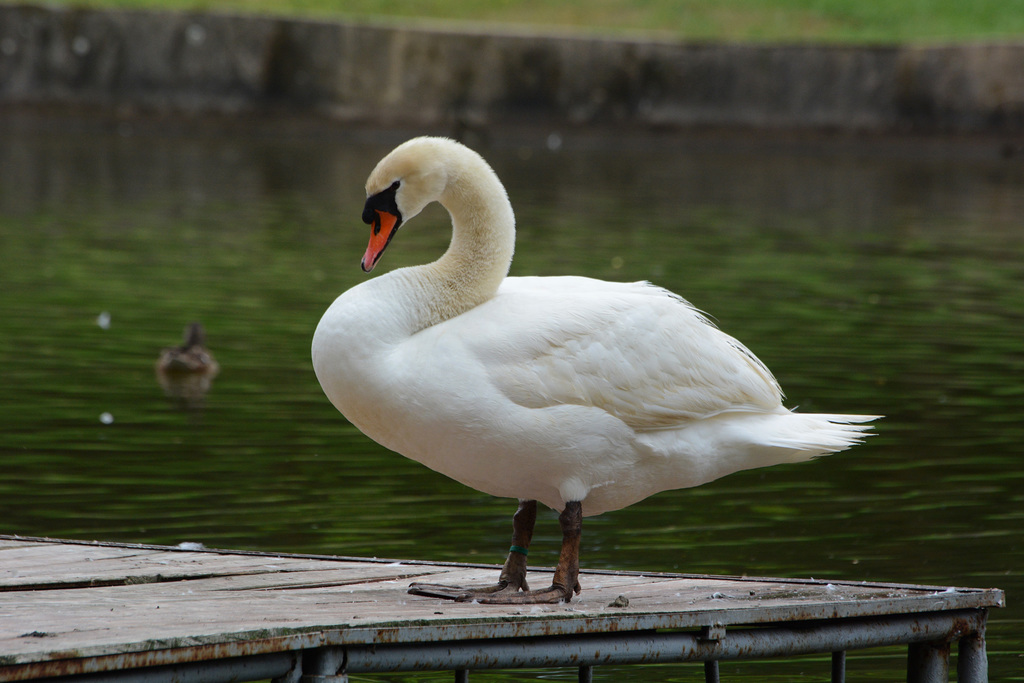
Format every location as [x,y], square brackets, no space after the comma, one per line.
[104,611]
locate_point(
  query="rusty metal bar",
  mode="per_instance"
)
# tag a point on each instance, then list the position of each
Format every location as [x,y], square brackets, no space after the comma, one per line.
[249,668]
[972,659]
[332,664]
[324,665]
[839,667]
[670,647]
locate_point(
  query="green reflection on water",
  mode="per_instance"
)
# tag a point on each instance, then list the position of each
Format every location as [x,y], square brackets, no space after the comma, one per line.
[880,278]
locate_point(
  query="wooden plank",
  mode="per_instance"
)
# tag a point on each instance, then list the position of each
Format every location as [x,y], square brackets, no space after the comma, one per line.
[56,565]
[61,601]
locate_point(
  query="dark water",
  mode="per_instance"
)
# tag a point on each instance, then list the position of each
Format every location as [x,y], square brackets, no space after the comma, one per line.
[874,276]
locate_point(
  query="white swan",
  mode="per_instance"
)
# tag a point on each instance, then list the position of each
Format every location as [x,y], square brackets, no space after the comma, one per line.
[585,395]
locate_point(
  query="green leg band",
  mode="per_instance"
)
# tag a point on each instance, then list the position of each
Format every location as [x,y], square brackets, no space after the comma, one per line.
[518,549]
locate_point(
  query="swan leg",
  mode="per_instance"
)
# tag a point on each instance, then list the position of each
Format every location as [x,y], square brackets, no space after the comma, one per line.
[513,573]
[564,584]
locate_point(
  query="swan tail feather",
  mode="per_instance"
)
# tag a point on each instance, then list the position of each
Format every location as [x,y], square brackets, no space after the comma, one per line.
[813,435]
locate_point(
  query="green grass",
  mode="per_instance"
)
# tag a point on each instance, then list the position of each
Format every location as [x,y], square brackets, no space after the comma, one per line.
[838,21]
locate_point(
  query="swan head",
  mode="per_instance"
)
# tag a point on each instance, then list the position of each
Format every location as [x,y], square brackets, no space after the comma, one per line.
[413,175]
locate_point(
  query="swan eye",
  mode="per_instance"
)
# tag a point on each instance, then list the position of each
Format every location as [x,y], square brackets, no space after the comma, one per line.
[384,202]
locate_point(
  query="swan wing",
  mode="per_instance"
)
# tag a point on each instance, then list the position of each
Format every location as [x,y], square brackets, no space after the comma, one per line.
[634,350]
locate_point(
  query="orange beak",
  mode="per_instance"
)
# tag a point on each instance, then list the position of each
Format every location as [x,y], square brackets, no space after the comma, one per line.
[384,227]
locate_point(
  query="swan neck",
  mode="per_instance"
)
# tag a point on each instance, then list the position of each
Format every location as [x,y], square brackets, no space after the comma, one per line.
[480,253]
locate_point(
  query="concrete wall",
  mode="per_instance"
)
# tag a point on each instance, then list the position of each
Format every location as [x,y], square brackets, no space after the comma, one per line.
[394,75]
